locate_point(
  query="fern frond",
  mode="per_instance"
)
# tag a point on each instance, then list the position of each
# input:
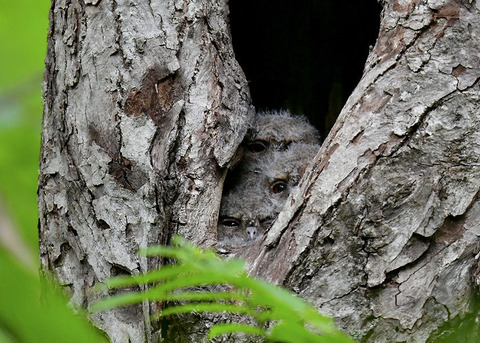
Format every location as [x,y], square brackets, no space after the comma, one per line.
[205,296]
[290,318]
[221,329]
[203,307]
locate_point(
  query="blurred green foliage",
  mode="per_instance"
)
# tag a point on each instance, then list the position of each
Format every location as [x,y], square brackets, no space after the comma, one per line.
[23,32]
[32,311]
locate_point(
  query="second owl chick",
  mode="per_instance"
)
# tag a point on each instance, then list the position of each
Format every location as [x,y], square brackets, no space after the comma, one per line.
[276,130]
[272,131]
[281,171]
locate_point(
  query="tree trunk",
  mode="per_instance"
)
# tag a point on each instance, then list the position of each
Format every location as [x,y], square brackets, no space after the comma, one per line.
[145,107]
[383,233]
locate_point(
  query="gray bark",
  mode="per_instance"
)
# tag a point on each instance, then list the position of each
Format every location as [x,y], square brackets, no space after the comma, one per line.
[145,107]
[383,233]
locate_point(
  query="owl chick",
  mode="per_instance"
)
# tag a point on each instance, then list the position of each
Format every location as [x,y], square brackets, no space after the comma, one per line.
[245,214]
[279,172]
[275,130]
[264,184]
[271,131]
[279,147]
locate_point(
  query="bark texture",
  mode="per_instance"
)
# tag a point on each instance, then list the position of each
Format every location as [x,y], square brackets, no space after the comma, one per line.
[145,107]
[383,233]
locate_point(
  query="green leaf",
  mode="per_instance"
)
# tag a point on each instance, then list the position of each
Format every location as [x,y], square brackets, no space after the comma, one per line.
[204,279]
[166,272]
[292,319]
[157,294]
[205,296]
[284,305]
[188,254]
[119,300]
[203,307]
[221,329]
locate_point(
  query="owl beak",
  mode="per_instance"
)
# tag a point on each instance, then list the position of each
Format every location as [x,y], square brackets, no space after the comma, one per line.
[252,231]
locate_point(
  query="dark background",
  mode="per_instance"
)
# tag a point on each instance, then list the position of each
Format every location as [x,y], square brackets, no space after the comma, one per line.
[307,55]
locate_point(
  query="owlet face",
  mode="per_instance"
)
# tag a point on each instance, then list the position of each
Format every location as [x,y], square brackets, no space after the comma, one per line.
[246,213]
[248,229]
[277,172]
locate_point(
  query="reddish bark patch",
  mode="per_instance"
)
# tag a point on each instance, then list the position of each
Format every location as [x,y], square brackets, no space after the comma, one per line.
[104,139]
[458,70]
[159,92]
[358,137]
[125,173]
[374,100]
[450,11]
[404,7]
[390,43]
[451,230]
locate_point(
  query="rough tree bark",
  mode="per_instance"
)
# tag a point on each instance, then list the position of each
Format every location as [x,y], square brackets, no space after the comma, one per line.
[145,107]
[383,233]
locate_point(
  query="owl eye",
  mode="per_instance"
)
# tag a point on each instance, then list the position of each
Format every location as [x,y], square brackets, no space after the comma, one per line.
[279,186]
[257,147]
[287,145]
[230,222]
[267,222]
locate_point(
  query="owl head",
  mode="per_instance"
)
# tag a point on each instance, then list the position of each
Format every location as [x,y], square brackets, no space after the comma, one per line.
[276,172]
[276,130]
[246,213]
